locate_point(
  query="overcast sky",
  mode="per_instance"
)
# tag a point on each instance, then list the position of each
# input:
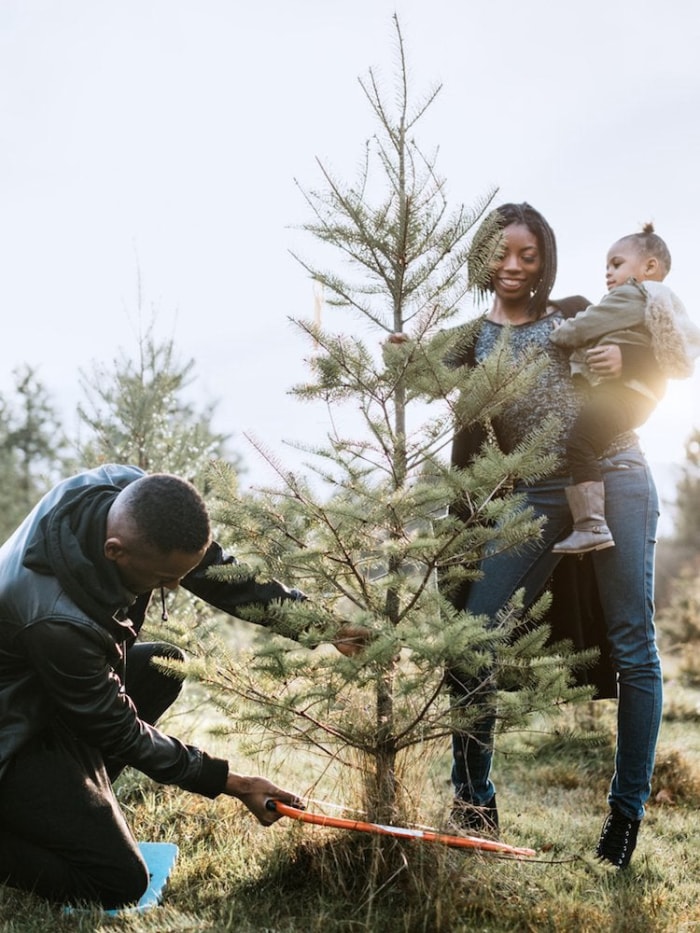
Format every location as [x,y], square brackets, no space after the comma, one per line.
[148,152]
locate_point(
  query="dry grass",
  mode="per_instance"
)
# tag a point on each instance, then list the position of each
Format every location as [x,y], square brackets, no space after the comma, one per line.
[233,875]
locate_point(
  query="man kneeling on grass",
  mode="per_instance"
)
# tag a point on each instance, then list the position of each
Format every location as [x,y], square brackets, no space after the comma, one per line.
[75,581]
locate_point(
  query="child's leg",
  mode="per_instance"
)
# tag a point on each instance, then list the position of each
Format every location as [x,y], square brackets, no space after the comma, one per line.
[611,410]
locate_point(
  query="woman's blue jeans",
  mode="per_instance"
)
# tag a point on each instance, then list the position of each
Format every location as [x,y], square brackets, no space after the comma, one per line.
[625,580]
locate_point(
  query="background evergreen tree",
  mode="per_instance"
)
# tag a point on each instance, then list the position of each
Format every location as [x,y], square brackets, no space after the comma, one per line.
[367,532]
[679,553]
[678,562]
[687,505]
[32,448]
[137,412]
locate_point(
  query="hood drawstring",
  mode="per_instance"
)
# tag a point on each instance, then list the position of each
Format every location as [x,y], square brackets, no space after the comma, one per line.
[164,610]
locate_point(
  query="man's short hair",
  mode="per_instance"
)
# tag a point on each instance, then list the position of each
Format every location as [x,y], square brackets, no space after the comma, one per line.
[168,513]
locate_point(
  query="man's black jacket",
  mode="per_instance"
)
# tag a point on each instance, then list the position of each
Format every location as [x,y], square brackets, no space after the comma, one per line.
[56,661]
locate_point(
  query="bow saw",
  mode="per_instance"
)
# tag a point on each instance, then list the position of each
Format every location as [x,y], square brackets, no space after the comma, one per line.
[401,832]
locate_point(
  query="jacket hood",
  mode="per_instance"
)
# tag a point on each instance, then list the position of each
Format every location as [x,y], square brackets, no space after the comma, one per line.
[69,545]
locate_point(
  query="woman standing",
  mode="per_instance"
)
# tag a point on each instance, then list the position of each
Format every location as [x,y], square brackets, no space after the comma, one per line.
[520,283]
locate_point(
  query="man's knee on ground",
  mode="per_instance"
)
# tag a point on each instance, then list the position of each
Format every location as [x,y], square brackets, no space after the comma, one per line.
[127,884]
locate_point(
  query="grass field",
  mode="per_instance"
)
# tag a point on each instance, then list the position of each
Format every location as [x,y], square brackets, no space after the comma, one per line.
[234,875]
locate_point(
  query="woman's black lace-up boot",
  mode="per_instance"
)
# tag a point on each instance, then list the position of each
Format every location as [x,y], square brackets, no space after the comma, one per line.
[473,819]
[617,839]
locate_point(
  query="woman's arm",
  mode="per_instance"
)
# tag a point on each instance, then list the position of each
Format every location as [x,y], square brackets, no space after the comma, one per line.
[627,361]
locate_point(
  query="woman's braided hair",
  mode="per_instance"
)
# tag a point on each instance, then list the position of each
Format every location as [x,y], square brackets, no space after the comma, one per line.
[488,241]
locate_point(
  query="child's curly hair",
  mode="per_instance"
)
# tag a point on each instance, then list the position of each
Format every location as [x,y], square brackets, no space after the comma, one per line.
[649,243]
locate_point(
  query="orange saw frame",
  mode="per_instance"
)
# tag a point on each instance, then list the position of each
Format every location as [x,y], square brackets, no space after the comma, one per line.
[400,832]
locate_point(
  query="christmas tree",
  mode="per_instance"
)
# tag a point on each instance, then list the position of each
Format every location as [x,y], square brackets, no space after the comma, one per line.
[368,532]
